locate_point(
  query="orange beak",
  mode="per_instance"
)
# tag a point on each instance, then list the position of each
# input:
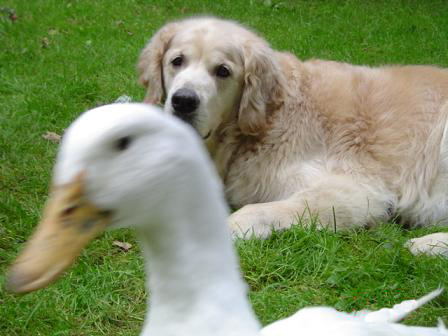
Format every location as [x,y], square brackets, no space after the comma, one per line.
[69,222]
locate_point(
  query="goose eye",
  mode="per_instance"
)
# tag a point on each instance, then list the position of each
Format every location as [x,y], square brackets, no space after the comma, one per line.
[123,143]
[106,213]
[222,71]
[177,61]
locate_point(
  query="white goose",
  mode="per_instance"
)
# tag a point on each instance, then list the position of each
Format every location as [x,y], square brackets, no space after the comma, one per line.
[127,165]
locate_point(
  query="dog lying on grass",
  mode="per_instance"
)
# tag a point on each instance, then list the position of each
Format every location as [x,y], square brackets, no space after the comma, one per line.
[295,139]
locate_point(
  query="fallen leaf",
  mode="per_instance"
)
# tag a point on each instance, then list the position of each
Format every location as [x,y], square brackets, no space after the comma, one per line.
[52,32]
[122,245]
[45,42]
[123,99]
[9,12]
[13,16]
[51,136]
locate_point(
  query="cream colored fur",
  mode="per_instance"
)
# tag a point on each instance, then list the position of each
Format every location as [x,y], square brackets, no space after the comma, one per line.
[293,139]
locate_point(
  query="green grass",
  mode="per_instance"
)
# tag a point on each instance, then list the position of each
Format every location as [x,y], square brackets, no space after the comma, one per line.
[59,58]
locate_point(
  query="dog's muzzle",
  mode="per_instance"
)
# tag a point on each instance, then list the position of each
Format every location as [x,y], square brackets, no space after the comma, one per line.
[185,102]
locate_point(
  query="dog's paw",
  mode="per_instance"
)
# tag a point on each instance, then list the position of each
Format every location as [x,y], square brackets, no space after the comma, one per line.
[248,223]
[258,221]
[432,244]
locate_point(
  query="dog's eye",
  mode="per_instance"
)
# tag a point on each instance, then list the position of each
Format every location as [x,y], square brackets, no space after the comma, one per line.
[222,71]
[177,61]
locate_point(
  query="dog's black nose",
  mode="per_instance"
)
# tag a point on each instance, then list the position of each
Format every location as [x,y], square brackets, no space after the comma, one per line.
[184,102]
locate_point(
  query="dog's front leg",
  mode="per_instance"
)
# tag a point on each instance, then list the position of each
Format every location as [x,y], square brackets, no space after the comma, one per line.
[432,244]
[336,202]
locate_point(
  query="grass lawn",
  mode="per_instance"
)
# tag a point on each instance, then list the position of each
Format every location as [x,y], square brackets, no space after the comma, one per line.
[59,58]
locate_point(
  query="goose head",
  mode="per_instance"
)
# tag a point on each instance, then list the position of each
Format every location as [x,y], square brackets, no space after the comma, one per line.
[122,165]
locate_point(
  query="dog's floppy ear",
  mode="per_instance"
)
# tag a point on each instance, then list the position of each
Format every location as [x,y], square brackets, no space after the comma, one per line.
[150,63]
[262,88]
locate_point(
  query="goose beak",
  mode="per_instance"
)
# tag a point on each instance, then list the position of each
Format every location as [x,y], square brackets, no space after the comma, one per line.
[69,222]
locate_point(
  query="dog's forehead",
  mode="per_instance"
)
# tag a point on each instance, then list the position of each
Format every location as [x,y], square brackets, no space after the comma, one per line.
[206,32]
[208,42]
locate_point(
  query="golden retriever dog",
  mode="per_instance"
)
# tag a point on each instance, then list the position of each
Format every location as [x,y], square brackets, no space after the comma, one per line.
[294,139]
